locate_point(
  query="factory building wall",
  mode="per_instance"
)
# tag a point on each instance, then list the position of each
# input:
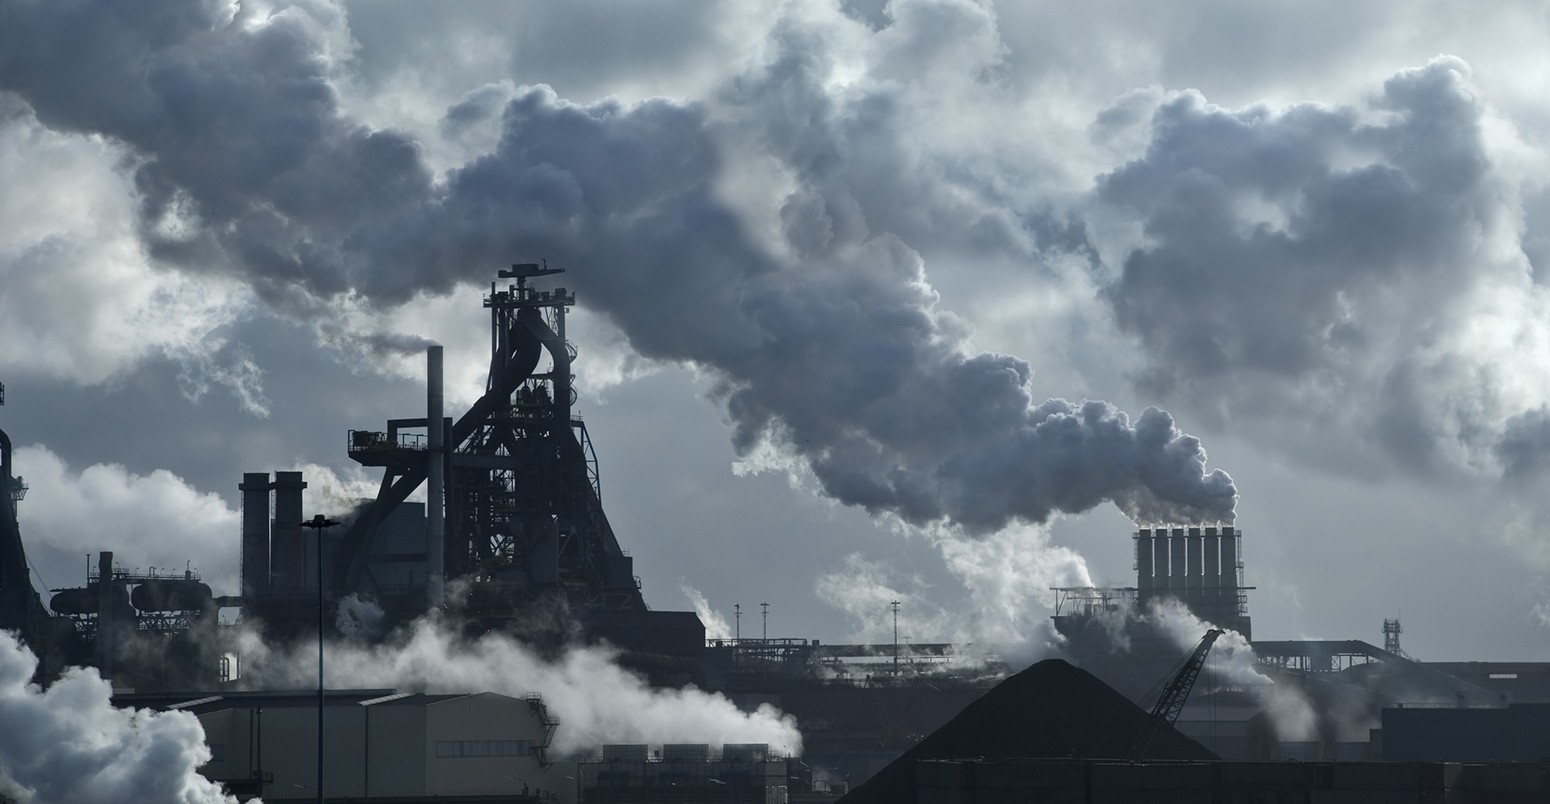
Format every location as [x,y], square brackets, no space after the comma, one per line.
[393,747]
[481,744]
[397,763]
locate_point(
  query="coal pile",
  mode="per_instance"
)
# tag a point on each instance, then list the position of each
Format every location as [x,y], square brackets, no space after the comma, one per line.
[1050,710]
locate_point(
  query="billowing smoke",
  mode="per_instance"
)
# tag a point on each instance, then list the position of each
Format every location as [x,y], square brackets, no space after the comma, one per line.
[1296,259]
[595,700]
[818,323]
[67,744]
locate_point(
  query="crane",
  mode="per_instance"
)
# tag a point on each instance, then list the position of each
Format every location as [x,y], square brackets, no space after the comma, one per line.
[1170,702]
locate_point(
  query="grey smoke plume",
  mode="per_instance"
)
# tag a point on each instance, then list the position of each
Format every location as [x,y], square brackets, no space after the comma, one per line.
[67,744]
[827,342]
[1297,259]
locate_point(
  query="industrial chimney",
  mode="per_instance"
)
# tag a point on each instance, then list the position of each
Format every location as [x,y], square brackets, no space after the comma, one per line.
[435,480]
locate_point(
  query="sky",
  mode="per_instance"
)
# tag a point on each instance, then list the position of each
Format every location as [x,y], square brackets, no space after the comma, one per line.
[924,300]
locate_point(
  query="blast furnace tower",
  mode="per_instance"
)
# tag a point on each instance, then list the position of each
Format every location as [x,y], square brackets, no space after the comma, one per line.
[513,518]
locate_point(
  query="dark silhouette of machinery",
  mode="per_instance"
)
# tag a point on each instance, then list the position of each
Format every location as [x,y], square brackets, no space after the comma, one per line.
[148,630]
[21,610]
[513,524]
[1170,701]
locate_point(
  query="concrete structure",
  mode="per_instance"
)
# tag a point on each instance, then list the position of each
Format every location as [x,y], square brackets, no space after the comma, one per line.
[380,745]
[627,774]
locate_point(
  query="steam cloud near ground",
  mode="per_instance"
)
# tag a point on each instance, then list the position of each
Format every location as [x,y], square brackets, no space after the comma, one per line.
[68,744]
[595,699]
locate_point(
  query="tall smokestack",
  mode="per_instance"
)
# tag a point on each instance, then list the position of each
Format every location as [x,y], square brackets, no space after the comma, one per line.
[288,551]
[1146,579]
[1194,560]
[1213,557]
[1229,558]
[1176,561]
[255,535]
[435,514]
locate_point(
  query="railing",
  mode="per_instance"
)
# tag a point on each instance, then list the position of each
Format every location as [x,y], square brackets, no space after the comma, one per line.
[372,440]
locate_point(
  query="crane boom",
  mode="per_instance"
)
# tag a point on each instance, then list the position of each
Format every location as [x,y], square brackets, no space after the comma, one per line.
[1171,701]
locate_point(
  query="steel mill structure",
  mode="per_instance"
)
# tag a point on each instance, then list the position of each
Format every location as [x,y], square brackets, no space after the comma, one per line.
[511,537]
[513,514]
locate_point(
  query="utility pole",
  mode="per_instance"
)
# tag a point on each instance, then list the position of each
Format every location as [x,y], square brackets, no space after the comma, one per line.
[895,606]
[320,525]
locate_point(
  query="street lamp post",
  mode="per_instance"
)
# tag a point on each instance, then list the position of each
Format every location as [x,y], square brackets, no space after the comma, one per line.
[320,525]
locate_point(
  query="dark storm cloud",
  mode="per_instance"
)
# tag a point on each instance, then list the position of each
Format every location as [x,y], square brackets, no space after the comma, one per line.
[235,122]
[838,356]
[1299,260]
[841,358]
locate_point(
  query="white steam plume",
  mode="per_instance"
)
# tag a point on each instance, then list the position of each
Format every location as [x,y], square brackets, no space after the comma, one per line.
[1232,659]
[67,744]
[595,700]
[826,340]
[715,623]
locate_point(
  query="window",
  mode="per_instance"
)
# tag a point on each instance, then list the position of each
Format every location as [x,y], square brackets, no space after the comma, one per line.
[483,748]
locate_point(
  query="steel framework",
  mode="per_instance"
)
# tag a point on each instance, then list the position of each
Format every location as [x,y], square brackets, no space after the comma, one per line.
[524,521]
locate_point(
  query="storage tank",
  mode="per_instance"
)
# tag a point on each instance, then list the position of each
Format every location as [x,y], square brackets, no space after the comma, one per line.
[84,600]
[172,595]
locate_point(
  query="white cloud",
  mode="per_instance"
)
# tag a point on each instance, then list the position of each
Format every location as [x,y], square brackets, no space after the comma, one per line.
[158,518]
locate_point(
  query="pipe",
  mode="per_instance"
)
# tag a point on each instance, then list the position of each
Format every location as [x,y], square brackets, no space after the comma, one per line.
[436,461]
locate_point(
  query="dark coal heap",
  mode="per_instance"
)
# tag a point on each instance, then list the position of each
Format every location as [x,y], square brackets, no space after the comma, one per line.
[1050,710]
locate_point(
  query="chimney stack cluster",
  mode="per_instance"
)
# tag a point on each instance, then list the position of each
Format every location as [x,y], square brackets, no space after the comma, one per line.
[1187,562]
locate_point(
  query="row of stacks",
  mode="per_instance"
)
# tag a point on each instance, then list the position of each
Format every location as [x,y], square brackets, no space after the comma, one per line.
[1200,566]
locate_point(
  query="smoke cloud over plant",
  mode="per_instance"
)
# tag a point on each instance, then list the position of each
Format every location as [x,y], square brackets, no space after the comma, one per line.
[826,344]
[904,248]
